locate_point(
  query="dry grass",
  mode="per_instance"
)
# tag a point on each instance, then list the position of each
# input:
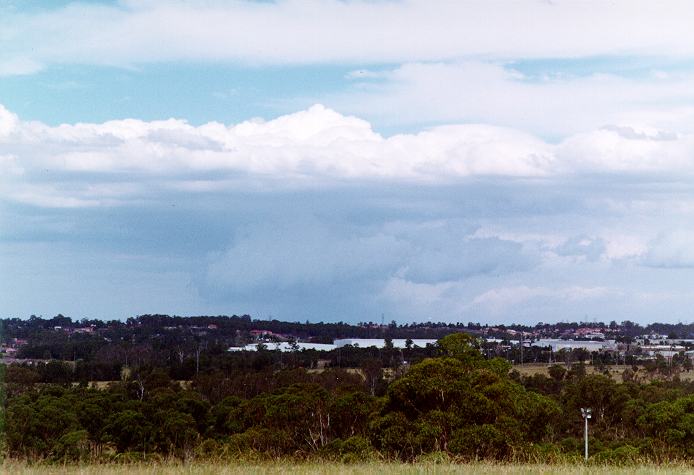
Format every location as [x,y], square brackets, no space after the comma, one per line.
[527,369]
[330,468]
[615,371]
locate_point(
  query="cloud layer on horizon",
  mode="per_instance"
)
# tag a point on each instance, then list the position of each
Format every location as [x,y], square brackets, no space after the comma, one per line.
[117,161]
[475,161]
[460,221]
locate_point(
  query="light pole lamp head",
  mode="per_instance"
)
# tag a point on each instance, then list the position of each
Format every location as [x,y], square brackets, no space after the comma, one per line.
[586,412]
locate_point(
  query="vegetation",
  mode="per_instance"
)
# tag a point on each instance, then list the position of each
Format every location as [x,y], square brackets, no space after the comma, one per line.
[372,468]
[455,405]
[161,388]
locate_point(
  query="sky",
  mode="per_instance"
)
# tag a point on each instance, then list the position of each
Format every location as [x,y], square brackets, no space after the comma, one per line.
[348,160]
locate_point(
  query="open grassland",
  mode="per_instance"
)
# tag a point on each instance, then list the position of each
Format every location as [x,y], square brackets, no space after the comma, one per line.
[528,369]
[615,371]
[277,468]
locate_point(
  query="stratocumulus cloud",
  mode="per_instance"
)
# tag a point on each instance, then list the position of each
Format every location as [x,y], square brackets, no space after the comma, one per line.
[485,161]
[111,162]
[457,221]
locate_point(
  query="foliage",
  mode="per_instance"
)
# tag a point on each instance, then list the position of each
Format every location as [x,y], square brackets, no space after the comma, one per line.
[452,405]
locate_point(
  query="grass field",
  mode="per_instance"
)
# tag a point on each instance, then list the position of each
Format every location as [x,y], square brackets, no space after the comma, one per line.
[330,468]
[526,369]
[615,371]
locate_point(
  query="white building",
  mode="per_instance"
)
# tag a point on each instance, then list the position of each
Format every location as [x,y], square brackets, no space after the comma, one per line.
[285,347]
[381,343]
[668,351]
[588,345]
[356,342]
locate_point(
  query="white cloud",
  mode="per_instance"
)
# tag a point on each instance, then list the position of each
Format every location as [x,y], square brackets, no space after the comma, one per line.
[483,92]
[293,31]
[8,122]
[624,246]
[19,67]
[457,299]
[615,150]
[499,299]
[303,149]
[117,160]
[671,249]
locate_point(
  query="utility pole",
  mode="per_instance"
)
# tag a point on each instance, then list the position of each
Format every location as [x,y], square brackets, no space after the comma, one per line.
[586,413]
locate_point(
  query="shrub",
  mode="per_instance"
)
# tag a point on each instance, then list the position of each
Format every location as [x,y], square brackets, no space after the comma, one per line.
[624,455]
[72,446]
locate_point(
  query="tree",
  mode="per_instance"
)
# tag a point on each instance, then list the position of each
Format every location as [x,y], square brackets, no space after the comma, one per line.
[129,430]
[462,347]
[557,372]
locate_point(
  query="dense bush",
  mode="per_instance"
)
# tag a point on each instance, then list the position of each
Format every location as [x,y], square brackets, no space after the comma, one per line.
[457,405]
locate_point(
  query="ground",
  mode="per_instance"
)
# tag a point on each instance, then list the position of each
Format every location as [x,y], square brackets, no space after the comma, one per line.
[278,468]
[616,371]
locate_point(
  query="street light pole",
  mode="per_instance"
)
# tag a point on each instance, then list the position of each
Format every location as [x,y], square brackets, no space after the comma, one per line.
[521,348]
[586,413]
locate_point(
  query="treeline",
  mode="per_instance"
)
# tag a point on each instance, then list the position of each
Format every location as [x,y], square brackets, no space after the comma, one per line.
[455,403]
[188,362]
[226,327]
[95,341]
[181,344]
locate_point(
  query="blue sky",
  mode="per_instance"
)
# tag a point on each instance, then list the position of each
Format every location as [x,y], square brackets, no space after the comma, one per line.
[336,160]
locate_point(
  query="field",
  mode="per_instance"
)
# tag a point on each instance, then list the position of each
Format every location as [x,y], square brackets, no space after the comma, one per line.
[615,371]
[330,468]
[528,369]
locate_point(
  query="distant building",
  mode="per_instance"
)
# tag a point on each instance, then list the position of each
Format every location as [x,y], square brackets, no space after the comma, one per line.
[588,345]
[267,334]
[356,342]
[285,347]
[381,343]
[668,351]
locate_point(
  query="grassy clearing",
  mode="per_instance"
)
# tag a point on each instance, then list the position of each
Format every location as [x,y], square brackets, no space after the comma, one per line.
[615,371]
[528,369]
[330,468]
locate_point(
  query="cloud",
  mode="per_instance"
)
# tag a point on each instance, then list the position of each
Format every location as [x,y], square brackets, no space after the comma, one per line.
[561,244]
[501,298]
[582,246]
[8,122]
[455,300]
[445,300]
[307,251]
[19,67]
[671,249]
[303,253]
[522,191]
[112,162]
[306,148]
[613,150]
[474,91]
[292,31]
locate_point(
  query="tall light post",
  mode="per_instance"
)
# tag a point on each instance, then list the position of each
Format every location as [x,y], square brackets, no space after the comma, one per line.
[521,348]
[586,413]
